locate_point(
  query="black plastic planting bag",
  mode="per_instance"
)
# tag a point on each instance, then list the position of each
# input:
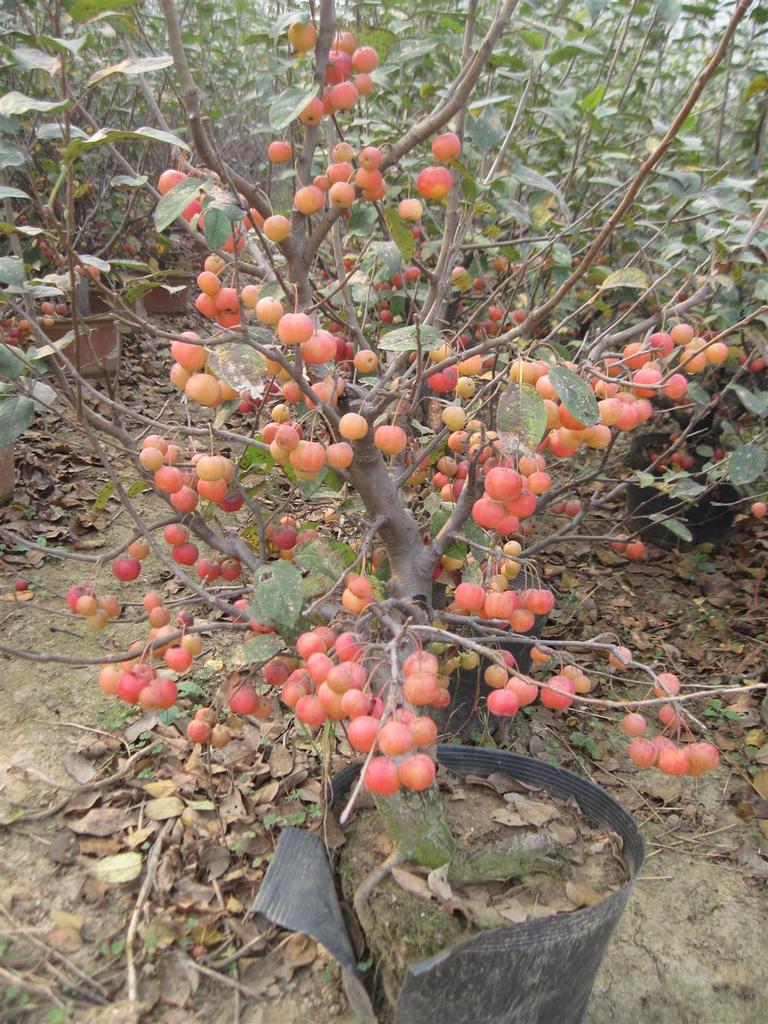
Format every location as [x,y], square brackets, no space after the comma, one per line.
[540,972]
[708,518]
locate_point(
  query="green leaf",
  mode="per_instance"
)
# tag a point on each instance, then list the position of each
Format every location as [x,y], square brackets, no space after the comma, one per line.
[132,66]
[469,186]
[173,203]
[12,270]
[575,394]
[10,155]
[254,456]
[12,362]
[288,105]
[119,868]
[629,277]
[326,556]
[401,234]
[129,181]
[277,598]
[36,60]
[758,84]
[697,393]
[51,130]
[96,261]
[112,135]
[677,527]
[102,498]
[593,99]
[82,10]
[217,225]
[403,339]
[754,401]
[686,487]
[260,648]
[531,178]
[472,573]
[237,364]
[16,412]
[12,193]
[746,464]
[521,414]
[16,103]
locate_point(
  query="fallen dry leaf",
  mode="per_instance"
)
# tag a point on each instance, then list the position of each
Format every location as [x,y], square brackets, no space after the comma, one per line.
[118,869]
[64,940]
[534,812]
[64,848]
[411,883]
[140,836]
[506,816]
[437,882]
[280,762]
[101,821]
[79,768]
[581,895]
[164,807]
[760,782]
[161,787]
[299,951]
[216,859]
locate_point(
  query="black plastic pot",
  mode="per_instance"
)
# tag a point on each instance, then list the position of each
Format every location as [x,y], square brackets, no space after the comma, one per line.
[540,972]
[709,518]
[7,473]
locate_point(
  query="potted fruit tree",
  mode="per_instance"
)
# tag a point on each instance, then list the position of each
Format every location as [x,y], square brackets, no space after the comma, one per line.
[363,348]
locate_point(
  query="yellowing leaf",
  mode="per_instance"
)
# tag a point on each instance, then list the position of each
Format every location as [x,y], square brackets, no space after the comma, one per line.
[629,277]
[164,807]
[760,782]
[118,869]
[162,787]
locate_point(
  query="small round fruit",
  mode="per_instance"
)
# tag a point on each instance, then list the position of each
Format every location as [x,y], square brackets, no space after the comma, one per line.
[446,147]
[125,568]
[434,182]
[352,426]
[381,776]
[277,228]
[633,724]
[558,701]
[642,753]
[279,152]
[503,703]
[417,771]
[362,732]
[199,731]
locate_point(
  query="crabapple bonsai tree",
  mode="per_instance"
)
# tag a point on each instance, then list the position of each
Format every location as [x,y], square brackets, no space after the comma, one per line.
[378,344]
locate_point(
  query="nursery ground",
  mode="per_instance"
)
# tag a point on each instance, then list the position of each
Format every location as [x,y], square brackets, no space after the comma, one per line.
[689,948]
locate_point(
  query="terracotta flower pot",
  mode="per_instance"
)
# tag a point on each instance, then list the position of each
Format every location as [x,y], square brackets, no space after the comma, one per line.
[161,299]
[97,350]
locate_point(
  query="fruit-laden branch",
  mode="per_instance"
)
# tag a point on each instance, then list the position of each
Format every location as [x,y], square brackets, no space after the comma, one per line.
[323,46]
[412,561]
[702,294]
[453,101]
[461,511]
[200,137]
[458,92]
[645,169]
[539,312]
[115,659]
